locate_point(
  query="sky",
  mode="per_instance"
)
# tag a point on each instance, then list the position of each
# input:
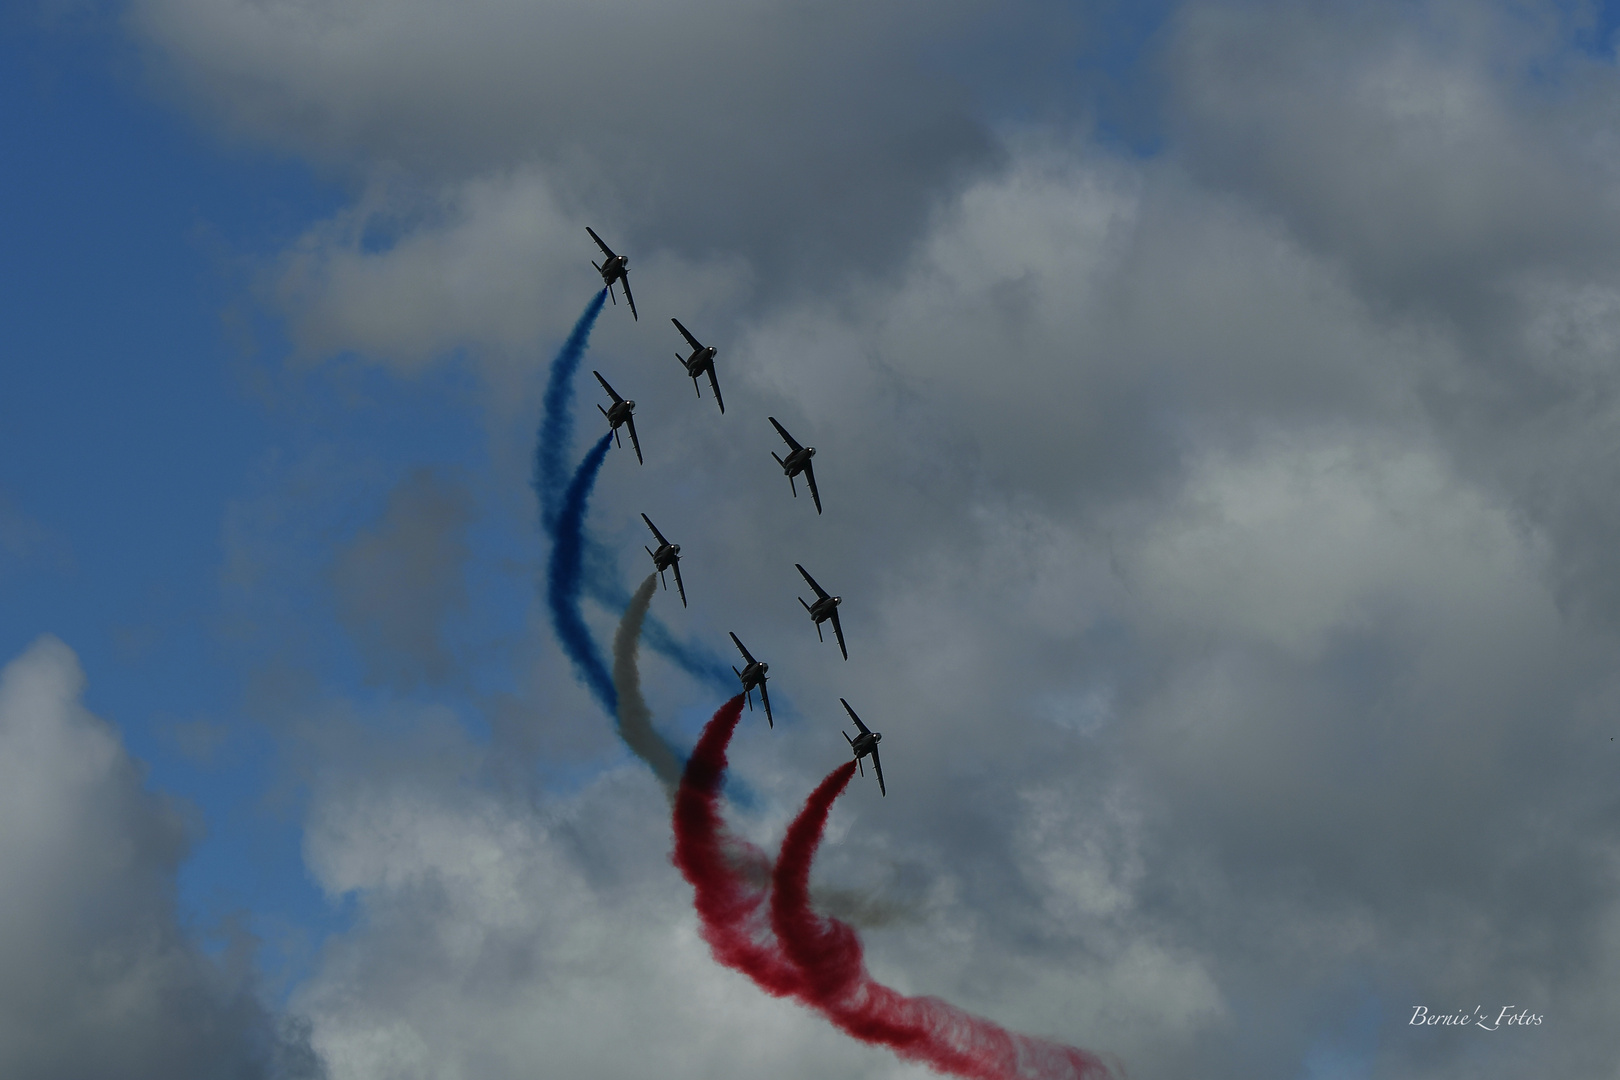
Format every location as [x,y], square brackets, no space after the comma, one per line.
[1217,407]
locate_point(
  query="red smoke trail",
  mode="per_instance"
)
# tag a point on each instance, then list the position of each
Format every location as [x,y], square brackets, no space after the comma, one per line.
[833,974]
[731,908]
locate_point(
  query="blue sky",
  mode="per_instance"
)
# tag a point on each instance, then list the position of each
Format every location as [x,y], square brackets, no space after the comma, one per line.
[130,422]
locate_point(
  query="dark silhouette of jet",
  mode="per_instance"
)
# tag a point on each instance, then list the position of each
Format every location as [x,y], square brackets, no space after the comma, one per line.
[825,607]
[620,412]
[753,675]
[797,461]
[863,744]
[701,360]
[667,557]
[614,268]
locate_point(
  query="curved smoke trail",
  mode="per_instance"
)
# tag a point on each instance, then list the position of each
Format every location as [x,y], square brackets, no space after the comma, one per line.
[563,578]
[732,909]
[831,965]
[634,718]
[599,575]
[557,418]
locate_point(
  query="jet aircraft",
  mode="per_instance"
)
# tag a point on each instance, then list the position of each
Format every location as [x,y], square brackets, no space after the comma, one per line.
[825,607]
[701,360]
[614,268]
[797,461]
[621,412]
[752,675]
[863,744]
[667,557]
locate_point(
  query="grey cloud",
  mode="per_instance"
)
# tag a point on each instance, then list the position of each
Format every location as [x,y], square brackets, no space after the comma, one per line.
[805,135]
[498,941]
[1434,147]
[1459,166]
[100,977]
[396,583]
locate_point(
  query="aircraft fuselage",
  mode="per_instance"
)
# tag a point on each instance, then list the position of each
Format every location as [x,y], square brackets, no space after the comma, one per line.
[865,743]
[795,462]
[614,269]
[620,411]
[822,609]
[700,361]
[666,556]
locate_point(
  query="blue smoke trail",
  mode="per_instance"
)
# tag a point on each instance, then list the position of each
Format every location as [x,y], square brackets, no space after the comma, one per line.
[600,578]
[557,422]
[564,576]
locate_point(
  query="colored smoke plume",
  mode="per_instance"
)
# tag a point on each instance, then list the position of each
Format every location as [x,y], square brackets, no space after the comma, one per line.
[598,567]
[557,418]
[832,977]
[732,910]
[634,718]
[563,579]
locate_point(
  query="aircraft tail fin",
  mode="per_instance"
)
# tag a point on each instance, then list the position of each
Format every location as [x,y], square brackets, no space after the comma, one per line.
[779,461]
[806,606]
[604,413]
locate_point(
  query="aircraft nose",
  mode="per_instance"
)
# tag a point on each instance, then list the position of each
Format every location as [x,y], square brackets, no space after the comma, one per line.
[763,668]
[677,548]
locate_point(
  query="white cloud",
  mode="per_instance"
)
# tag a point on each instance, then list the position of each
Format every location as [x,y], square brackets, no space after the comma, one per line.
[100,977]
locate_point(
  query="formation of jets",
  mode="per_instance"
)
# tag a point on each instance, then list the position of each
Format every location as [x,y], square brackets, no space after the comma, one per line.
[614,269]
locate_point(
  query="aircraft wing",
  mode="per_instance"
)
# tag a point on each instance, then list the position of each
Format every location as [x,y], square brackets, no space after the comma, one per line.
[687,334]
[782,431]
[676,566]
[715,382]
[877,767]
[741,649]
[654,529]
[838,632]
[810,478]
[765,696]
[624,279]
[605,249]
[852,716]
[616,398]
[822,593]
[630,422]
